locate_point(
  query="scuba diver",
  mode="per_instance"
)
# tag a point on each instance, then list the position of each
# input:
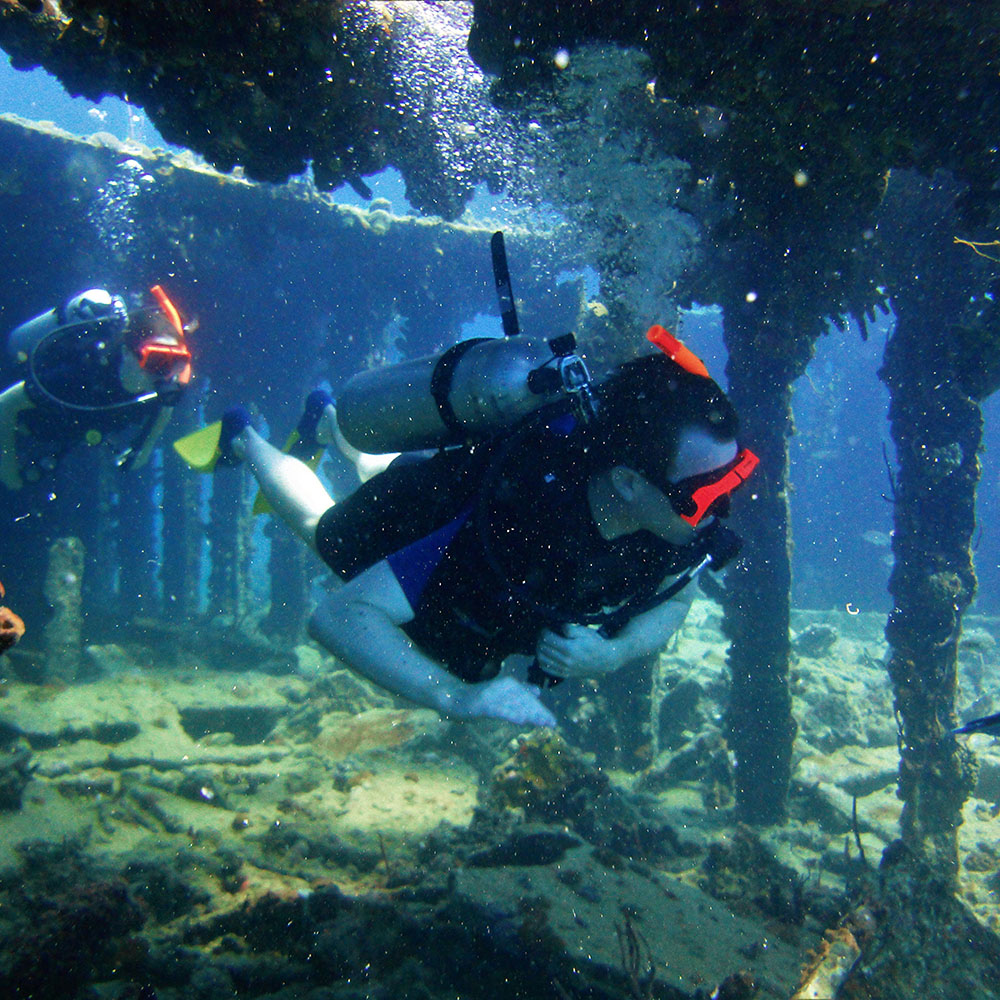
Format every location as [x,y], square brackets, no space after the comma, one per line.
[553,518]
[91,367]
[553,539]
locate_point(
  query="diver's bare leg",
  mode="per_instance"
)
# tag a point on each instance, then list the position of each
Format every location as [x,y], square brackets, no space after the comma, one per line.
[366,465]
[296,493]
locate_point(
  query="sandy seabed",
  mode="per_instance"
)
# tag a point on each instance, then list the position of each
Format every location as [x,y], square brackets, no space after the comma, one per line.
[190,832]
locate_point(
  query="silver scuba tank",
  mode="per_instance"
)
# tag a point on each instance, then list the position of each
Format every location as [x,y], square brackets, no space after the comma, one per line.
[92,305]
[471,390]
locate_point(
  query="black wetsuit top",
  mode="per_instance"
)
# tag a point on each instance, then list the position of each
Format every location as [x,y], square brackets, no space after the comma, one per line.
[492,546]
[76,387]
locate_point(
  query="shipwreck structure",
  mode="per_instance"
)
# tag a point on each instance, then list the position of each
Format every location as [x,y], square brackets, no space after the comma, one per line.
[780,163]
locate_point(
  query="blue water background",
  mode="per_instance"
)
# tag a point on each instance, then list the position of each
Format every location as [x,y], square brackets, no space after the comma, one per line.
[841,511]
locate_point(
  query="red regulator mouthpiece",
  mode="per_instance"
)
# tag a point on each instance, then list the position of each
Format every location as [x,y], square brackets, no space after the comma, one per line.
[708,494]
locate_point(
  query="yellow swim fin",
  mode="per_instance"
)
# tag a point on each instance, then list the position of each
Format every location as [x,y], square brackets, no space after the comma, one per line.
[312,458]
[200,449]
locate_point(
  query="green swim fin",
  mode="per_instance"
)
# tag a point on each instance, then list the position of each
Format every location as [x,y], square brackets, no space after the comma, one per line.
[200,449]
[311,456]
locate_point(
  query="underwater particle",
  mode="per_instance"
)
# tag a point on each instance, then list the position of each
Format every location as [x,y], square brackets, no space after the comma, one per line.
[561,59]
[751,296]
[800,178]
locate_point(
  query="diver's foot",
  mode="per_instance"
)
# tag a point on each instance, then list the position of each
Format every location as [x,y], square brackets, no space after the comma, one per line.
[234,420]
[313,432]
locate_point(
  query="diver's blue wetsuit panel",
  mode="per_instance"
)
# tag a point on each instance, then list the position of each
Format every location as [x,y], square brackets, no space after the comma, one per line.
[414,565]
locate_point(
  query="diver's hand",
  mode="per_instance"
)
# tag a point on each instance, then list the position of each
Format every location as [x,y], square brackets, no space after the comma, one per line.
[504,698]
[579,652]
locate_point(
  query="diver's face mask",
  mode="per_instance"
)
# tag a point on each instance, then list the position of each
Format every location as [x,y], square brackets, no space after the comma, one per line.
[705,472]
[707,494]
[162,355]
[159,340]
[164,361]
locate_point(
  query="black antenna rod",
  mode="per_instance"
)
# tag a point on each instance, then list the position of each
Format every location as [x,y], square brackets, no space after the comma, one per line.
[501,275]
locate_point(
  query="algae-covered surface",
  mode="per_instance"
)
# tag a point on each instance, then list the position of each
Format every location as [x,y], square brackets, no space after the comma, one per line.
[199,832]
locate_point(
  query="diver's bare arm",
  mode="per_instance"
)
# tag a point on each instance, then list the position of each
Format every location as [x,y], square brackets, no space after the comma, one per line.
[13,401]
[146,447]
[361,624]
[648,633]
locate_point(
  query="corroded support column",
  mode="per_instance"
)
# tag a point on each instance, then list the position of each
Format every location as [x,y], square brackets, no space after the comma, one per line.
[937,430]
[941,359]
[230,530]
[290,565]
[224,542]
[764,359]
[63,635]
[183,536]
[137,549]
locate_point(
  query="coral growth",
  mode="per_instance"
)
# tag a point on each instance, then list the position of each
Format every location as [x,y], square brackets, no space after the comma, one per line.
[549,780]
[11,629]
[829,966]
[815,640]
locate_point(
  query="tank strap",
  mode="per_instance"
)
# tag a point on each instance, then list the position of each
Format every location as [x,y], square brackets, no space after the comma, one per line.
[441,379]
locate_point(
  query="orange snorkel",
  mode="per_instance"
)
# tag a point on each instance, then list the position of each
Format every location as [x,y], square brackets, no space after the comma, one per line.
[677,351]
[169,309]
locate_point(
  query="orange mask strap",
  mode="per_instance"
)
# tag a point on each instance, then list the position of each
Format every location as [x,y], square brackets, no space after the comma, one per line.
[676,351]
[165,357]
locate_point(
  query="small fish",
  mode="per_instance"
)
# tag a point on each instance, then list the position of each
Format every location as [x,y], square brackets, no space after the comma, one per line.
[987,724]
[880,538]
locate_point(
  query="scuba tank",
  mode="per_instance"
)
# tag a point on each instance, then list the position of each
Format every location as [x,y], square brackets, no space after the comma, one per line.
[472,390]
[94,306]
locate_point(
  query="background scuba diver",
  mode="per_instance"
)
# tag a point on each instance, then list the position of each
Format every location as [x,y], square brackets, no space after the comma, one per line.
[520,544]
[91,367]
